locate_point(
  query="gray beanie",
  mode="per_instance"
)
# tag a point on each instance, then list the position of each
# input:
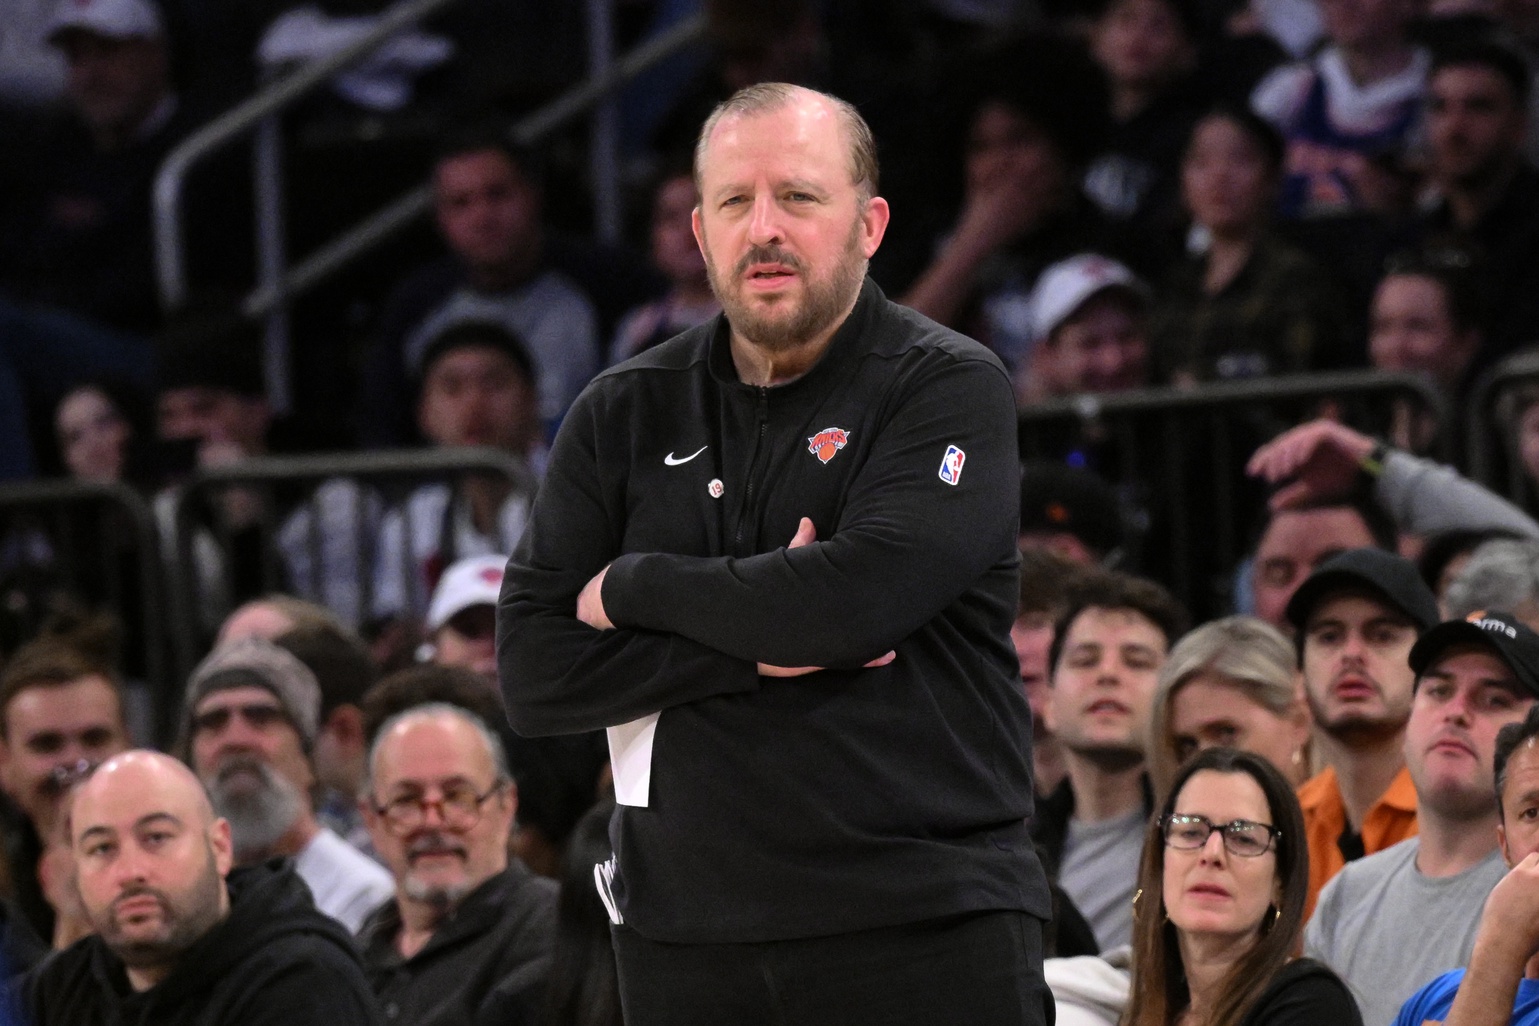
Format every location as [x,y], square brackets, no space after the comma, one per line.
[256,662]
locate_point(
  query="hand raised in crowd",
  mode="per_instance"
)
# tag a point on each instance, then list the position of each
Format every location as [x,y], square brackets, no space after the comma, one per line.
[1312,462]
[1507,943]
[1011,201]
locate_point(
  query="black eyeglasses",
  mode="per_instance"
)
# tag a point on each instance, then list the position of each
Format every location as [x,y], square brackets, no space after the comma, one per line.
[459,806]
[1241,837]
[259,716]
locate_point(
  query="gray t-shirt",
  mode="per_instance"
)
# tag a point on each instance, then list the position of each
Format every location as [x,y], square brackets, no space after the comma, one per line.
[1387,929]
[1099,873]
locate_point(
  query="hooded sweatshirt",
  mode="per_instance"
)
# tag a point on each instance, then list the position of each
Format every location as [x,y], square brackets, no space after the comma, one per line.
[273,960]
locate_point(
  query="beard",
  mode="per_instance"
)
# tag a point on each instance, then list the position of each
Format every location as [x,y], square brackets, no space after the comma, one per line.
[259,815]
[442,896]
[1353,729]
[183,921]
[787,323]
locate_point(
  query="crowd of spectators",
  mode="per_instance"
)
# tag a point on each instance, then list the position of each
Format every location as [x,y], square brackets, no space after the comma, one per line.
[1112,195]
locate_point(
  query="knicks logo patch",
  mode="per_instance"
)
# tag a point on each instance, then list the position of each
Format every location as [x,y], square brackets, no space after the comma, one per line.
[825,445]
[951,465]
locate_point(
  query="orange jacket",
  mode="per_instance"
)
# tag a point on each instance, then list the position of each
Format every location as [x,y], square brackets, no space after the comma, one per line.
[1390,820]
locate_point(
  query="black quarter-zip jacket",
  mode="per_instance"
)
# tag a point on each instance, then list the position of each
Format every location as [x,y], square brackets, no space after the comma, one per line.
[847,799]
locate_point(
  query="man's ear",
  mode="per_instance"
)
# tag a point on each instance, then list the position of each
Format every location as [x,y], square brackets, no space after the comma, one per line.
[220,844]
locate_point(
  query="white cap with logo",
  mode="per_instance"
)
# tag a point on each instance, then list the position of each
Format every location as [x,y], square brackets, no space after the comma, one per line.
[1069,284]
[115,19]
[472,581]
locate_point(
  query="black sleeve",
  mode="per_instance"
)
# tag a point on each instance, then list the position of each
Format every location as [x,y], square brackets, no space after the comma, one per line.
[1305,993]
[908,543]
[558,675]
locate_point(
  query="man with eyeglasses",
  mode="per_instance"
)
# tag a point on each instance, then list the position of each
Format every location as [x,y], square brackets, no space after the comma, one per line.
[252,713]
[1392,921]
[468,938]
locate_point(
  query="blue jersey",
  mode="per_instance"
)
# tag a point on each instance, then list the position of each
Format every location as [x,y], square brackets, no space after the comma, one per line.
[1433,1002]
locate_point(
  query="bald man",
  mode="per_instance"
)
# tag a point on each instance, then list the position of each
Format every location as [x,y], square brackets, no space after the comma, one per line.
[181,939]
[469,934]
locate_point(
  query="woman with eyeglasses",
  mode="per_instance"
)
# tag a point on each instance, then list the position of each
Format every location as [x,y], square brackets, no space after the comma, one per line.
[1220,906]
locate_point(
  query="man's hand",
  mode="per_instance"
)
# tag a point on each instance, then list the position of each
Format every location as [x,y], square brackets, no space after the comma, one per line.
[590,603]
[806,534]
[1315,461]
[1510,920]
[1508,940]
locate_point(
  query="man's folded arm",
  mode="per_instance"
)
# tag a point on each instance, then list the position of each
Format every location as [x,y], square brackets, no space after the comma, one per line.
[908,546]
[558,675]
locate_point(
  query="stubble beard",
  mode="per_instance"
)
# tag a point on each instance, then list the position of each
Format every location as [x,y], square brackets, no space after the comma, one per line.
[822,301]
[181,927]
[1355,730]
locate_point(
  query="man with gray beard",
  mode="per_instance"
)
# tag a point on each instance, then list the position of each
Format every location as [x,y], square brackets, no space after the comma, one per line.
[468,939]
[252,710]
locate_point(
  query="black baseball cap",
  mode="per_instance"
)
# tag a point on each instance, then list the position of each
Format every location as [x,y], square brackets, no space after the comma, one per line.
[1513,642]
[1056,497]
[1385,574]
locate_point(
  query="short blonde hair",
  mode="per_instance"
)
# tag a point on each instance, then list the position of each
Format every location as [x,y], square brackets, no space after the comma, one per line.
[1252,656]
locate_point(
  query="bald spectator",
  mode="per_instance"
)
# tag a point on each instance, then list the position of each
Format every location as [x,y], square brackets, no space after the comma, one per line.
[1391,921]
[61,712]
[1355,619]
[272,616]
[252,712]
[180,937]
[467,939]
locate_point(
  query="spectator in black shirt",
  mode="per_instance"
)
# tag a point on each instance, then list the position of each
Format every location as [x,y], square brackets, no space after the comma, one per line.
[1488,192]
[467,939]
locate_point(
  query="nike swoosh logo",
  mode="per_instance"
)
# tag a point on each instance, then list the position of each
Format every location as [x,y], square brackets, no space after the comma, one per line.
[672,461]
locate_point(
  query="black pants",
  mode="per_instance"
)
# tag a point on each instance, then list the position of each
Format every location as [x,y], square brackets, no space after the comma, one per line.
[981,970]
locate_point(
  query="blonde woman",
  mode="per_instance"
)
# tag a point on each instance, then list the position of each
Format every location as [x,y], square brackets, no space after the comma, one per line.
[1235,683]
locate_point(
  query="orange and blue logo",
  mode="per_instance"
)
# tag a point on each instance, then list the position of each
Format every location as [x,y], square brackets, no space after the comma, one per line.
[825,445]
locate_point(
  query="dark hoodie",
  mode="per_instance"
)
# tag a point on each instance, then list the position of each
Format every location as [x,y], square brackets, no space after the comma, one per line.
[274,960]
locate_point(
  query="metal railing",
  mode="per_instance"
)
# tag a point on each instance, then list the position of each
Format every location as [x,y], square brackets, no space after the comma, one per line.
[279,282]
[1178,457]
[1492,442]
[102,544]
[311,526]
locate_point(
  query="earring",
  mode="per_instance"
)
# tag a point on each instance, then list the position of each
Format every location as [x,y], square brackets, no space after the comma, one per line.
[1298,757]
[1271,921]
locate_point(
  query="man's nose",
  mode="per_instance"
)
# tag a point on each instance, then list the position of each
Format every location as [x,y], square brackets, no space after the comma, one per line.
[764,226]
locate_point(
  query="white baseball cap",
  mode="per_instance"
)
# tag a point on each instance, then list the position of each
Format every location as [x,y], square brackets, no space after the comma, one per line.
[1069,284]
[473,581]
[115,19]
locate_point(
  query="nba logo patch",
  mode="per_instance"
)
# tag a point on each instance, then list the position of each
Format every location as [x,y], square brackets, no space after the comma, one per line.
[951,465]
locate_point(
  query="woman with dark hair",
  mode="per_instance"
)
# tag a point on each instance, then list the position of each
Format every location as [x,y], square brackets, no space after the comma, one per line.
[1220,906]
[1243,304]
